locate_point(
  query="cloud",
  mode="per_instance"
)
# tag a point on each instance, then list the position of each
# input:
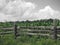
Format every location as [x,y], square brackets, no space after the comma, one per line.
[48,12]
[14,10]
[19,10]
[45,13]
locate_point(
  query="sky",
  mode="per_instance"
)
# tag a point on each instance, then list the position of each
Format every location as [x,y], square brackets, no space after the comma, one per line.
[21,10]
[55,4]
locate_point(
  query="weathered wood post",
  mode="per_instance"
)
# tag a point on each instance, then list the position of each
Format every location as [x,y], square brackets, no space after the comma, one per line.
[54,30]
[55,33]
[15,30]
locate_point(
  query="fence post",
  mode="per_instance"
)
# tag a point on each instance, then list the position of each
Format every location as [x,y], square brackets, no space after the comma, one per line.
[15,30]
[54,30]
[55,33]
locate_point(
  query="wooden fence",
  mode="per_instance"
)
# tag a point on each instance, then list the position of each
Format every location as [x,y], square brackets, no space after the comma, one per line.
[49,31]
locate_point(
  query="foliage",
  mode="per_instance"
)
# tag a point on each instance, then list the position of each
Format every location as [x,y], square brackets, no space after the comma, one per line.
[45,22]
[26,40]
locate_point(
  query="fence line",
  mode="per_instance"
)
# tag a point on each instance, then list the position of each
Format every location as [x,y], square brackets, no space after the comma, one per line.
[50,31]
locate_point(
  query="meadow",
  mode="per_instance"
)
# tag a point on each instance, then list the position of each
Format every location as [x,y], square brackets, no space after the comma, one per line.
[27,40]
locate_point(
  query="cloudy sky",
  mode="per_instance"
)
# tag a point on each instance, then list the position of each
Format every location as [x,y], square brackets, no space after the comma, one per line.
[19,10]
[42,3]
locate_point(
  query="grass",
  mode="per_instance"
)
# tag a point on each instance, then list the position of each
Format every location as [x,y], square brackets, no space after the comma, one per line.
[26,40]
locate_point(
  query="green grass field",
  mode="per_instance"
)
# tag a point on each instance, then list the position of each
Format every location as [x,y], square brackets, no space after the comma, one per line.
[26,40]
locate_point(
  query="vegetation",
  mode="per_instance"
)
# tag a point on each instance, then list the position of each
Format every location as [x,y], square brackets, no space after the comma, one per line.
[28,40]
[46,22]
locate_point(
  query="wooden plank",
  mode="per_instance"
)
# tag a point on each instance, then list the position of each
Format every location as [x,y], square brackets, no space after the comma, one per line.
[58,36]
[30,27]
[37,34]
[35,31]
[3,33]
[6,28]
[38,26]
[33,27]
[58,30]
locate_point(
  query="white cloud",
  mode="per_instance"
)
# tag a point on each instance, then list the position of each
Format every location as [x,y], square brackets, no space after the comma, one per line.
[48,12]
[18,10]
[45,13]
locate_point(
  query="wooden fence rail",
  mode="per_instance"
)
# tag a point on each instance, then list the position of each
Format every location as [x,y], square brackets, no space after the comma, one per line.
[50,31]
